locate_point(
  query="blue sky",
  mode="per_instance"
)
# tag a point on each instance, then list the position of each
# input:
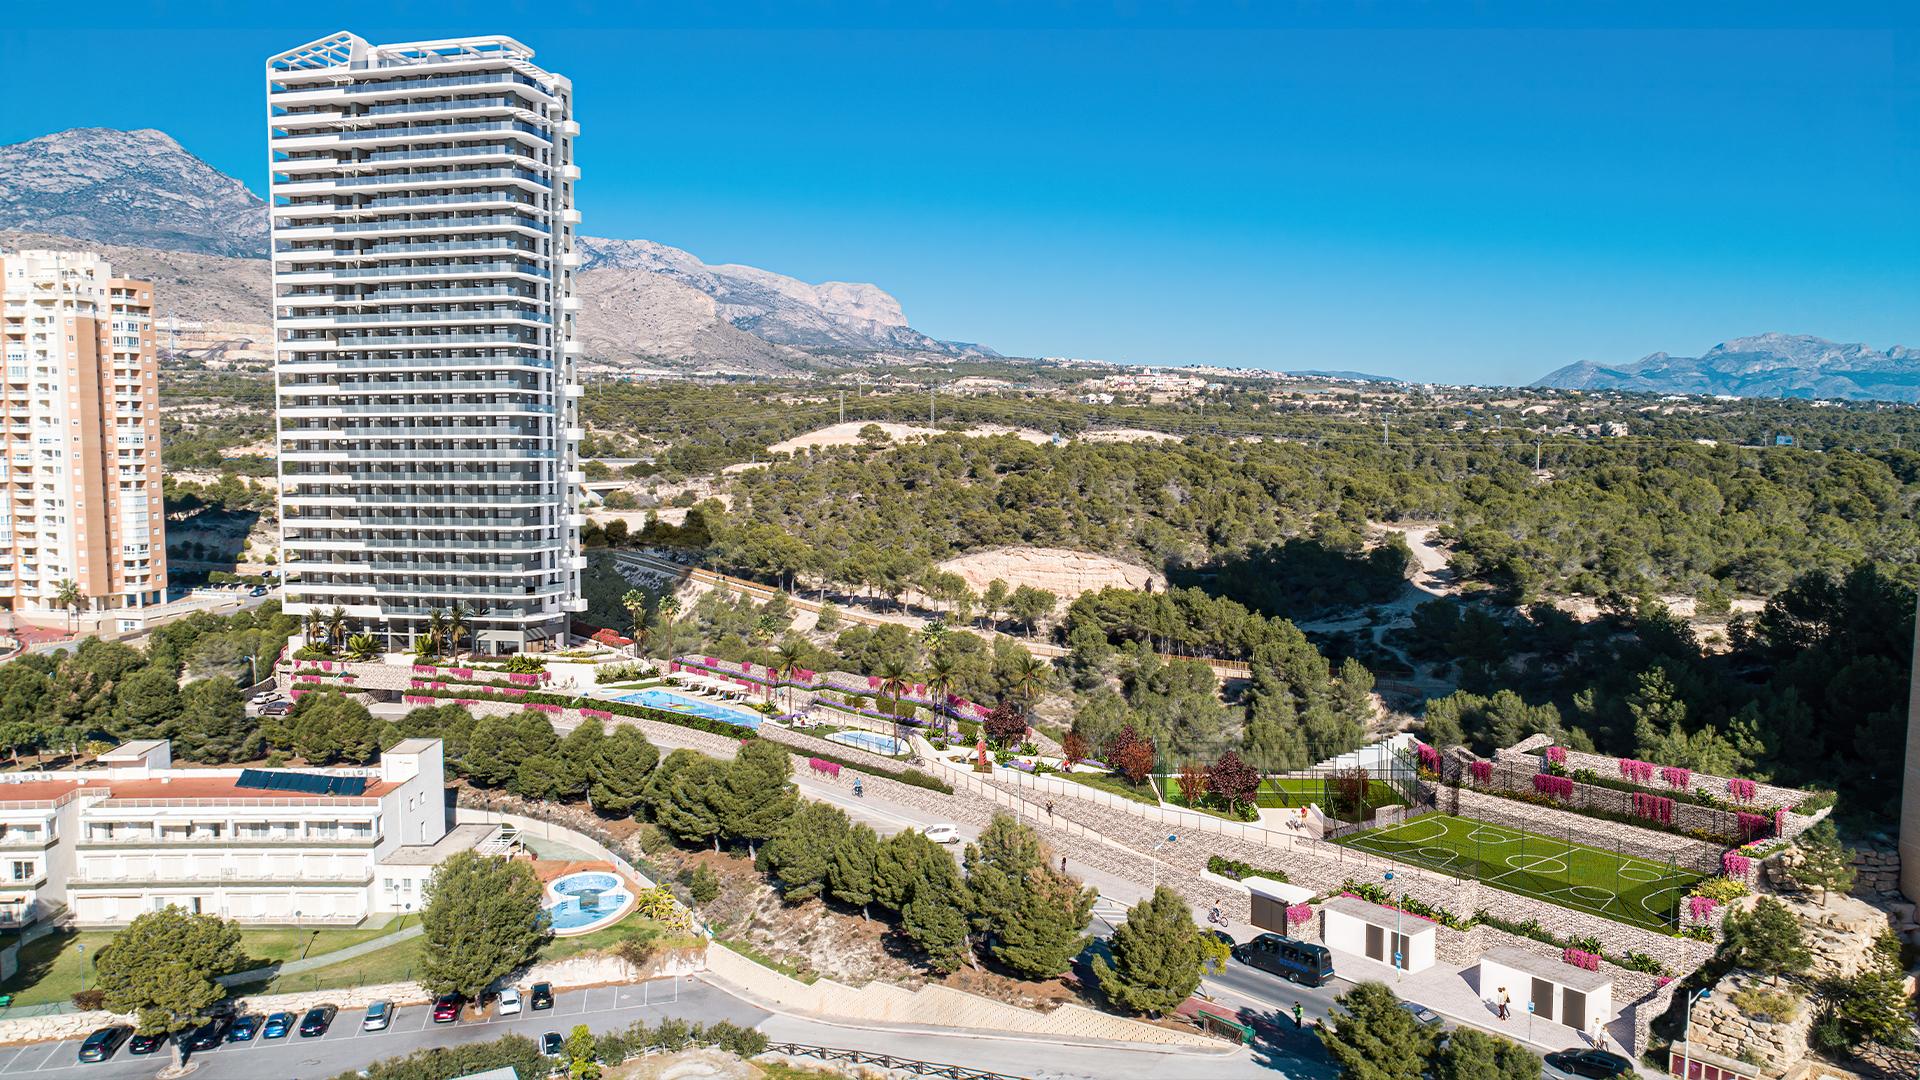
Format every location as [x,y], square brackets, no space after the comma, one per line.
[1475,193]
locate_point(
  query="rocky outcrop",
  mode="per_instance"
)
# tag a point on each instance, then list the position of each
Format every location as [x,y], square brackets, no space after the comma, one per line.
[1728,1024]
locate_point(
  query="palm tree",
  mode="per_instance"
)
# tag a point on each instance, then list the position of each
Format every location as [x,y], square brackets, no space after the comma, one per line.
[893,674]
[436,635]
[458,620]
[933,633]
[635,602]
[942,673]
[314,627]
[1029,676]
[786,659]
[336,626]
[67,595]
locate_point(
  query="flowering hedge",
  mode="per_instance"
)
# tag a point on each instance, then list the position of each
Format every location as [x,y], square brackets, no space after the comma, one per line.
[1676,777]
[1429,757]
[1736,865]
[1580,958]
[1752,826]
[1557,755]
[1482,771]
[1637,771]
[828,768]
[1700,908]
[1299,913]
[596,714]
[1744,790]
[1558,787]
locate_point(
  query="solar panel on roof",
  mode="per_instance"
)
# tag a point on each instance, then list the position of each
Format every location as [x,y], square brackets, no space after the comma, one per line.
[302,783]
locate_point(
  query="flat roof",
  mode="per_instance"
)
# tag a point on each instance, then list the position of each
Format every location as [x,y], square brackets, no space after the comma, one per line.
[133,751]
[1381,915]
[411,746]
[228,787]
[39,792]
[1277,890]
[1546,967]
[459,838]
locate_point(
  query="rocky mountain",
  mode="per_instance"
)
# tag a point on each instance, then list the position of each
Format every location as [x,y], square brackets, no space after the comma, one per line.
[128,187]
[1766,365]
[642,302]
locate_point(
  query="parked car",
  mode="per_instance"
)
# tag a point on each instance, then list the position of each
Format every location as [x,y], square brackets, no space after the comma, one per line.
[257,590]
[101,1044]
[446,1008]
[509,1002]
[244,1028]
[278,1025]
[317,1021]
[276,708]
[1581,1063]
[1427,1017]
[542,996]
[551,1044]
[943,834]
[1295,961]
[379,1016]
[143,1045]
[207,1036]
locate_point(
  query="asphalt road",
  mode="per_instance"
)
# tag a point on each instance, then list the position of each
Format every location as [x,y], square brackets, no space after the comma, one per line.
[345,1047]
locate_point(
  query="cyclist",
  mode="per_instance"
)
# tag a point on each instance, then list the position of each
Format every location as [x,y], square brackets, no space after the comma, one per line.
[858,791]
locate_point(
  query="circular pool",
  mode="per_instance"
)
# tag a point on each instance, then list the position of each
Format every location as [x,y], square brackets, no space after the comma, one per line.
[586,900]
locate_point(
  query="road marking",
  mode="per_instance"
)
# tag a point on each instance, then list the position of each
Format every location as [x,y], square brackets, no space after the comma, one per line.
[52,1054]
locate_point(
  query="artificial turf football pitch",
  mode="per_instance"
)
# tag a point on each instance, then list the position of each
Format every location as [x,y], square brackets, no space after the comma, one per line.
[1590,879]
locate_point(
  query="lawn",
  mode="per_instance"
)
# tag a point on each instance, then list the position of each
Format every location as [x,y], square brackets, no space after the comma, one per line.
[1590,879]
[1287,792]
[51,966]
[1141,792]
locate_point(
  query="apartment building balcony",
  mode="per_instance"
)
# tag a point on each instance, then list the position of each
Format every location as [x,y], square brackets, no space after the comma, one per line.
[438,271]
[378,296]
[522,315]
[84,876]
[295,93]
[488,104]
[406,226]
[525,179]
[475,245]
[293,141]
[419,543]
[389,591]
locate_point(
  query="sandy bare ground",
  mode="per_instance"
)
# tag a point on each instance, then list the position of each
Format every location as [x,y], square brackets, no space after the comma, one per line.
[1060,571]
[1108,435]
[848,434]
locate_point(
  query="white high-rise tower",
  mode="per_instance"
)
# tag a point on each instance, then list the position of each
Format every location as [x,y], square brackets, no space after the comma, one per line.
[423,263]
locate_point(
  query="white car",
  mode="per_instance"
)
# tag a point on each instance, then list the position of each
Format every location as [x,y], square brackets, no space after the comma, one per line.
[943,834]
[379,1016]
[509,1001]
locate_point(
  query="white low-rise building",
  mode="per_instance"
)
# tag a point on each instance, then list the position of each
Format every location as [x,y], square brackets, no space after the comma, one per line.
[132,833]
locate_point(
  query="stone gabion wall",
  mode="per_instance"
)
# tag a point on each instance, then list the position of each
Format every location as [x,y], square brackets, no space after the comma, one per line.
[1509,775]
[1766,798]
[1722,1028]
[1698,856]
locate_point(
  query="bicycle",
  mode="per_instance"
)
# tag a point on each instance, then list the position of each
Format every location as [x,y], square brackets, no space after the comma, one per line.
[1217,917]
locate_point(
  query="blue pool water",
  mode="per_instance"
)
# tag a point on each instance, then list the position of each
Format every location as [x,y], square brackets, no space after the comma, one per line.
[586,899]
[661,699]
[870,740]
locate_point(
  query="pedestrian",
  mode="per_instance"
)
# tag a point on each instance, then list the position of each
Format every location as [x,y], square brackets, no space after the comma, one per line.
[1049,807]
[1599,1033]
[1299,1016]
[1063,864]
[1506,1003]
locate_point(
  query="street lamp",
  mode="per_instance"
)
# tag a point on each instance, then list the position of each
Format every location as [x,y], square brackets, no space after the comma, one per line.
[1686,1029]
[82,946]
[1154,854]
[1399,926]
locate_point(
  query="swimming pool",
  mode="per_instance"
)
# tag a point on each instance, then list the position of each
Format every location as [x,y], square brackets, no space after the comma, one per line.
[870,740]
[661,699]
[586,901]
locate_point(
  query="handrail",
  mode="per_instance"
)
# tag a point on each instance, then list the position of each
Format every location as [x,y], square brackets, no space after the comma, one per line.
[888,1061]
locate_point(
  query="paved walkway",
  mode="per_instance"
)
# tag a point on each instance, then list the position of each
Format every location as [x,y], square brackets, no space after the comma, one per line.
[294,967]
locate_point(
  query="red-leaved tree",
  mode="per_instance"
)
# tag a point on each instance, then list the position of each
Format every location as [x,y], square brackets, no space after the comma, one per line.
[1073,748]
[1193,783]
[1233,779]
[1130,754]
[1005,725]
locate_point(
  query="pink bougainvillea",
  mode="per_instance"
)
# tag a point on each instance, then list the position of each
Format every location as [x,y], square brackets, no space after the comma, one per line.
[596,714]
[1660,982]
[1700,908]
[1557,755]
[1429,757]
[1653,807]
[1638,772]
[1736,866]
[1298,913]
[829,768]
[1580,958]
[1675,777]
[1744,790]
[1558,787]
[1482,771]
[1752,826]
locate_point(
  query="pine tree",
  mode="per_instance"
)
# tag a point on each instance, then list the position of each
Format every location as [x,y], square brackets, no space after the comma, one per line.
[1032,914]
[896,867]
[493,753]
[654,792]
[1157,956]
[850,874]
[934,915]
[1874,1005]
[802,851]
[1825,863]
[1767,939]
[1475,1055]
[617,770]
[760,797]
[695,803]
[163,968]
[482,920]
[213,726]
[1274,741]
[1372,1038]
[146,703]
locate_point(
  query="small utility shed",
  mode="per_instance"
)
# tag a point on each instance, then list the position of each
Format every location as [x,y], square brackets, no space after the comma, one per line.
[1378,933]
[1270,901]
[1559,992]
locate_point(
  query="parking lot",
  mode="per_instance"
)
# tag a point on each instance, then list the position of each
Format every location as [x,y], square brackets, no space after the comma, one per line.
[345,1047]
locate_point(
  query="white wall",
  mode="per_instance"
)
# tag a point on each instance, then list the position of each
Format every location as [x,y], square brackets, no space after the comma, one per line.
[1348,934]
[1519,984]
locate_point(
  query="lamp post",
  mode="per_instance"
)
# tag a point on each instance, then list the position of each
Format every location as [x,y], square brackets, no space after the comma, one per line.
[1686,1029]
[82,946]
[1399,937]
[1155,854]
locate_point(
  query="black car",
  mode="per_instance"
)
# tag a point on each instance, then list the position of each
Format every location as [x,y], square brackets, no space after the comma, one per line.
[101,1044]
[146,1044]
[317,1020]
[542,996]
[1295,961]
[551,1044]
[206,1036]
[244,1028]
[1584,1063]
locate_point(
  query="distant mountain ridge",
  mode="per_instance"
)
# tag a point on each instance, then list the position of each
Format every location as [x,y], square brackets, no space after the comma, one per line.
[642,302]
[1764,365]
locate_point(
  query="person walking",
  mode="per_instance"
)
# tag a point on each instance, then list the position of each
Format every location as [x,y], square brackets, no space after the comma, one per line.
[1299,1018]
[1063,864]
[1506,1004]
[1049,807]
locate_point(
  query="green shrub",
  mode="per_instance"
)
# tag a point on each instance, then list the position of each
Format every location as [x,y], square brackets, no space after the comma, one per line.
[1235,869]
